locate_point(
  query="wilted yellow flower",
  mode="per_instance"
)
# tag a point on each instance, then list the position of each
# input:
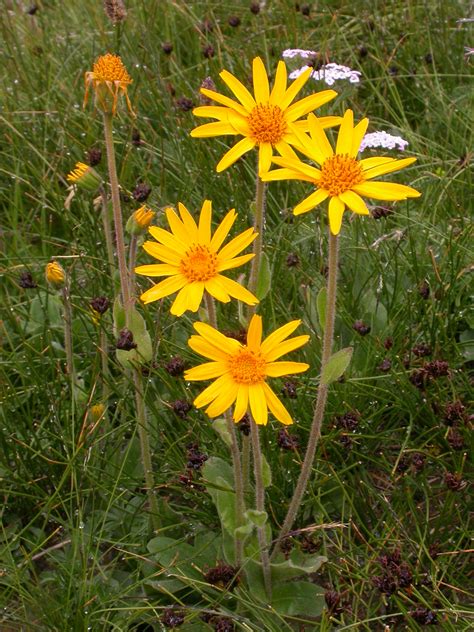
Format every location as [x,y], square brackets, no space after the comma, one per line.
[84,176]
[267,119]
[109,78]
[242,370]
[55,274]
[342,177]
[193,260]
[140,220]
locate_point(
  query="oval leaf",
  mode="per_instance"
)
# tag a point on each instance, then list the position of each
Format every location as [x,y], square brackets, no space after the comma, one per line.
[336,366]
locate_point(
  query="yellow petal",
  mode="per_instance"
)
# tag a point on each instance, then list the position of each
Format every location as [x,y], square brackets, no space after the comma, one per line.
[181,302]
[157,270]
[336,211]
[320,145]
[213,129]
[308,104]
[164,288]
[241,403]
[177,227]
[214,337]
[310,202]
[261,88]
[188,221]
[195,294]
[238,89]
[221,98]
[234,263]
[265,153]
[237,244]
[258,404]
[274,339]
[294,88]
[239,123]
[206,349]
[298,165]
[254,333]
[167,239]
[236,290]
[222,230]
[285,174]
[206,371]
[385,191]
[279,87]
[285,347]
[388,167]
[358,135]
[204,229]
[276,407]
[212,391]
[212,111]
[216,290]
[354,202]
[285,150]
[234,153]
[344,138]
[277,369]
[162,253]
[223,401]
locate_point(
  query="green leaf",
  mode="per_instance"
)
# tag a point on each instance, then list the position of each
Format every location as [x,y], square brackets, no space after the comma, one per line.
[258,518]
[321,301]
[264,280]
[336,366]
[266,472]
[219,474]
[144,350]
[298,598]
[45,309]
[176,556]
[297,565]
[220,426]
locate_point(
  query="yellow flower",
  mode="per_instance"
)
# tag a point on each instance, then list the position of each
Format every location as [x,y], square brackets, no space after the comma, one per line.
[55,274]
[342,177]
[266,119]
[109,78]
[140,220]
[84,176]
[96,412]
[241,370]
[193,260]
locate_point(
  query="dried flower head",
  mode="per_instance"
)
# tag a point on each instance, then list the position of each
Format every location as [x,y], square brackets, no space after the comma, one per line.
[109,79]
[115,10]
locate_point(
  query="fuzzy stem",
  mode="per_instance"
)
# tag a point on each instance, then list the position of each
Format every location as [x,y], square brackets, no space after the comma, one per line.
[109,240]
[117,210]
[71,371]
[259,226]
[235,452]
[320,406]
[260,506]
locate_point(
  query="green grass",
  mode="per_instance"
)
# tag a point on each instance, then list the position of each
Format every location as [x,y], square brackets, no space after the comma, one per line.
[74,531]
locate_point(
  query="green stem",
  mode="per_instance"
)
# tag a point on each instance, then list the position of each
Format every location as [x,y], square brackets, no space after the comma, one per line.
[235,453]
[260,506]
[259,226]
[109,241]
[71,371]
[117,210]
[104,362]
[320,406]
[144,436]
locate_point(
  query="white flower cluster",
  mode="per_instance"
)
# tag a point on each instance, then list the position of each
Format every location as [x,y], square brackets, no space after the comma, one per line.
[289,53]
[330,73]
[383,139]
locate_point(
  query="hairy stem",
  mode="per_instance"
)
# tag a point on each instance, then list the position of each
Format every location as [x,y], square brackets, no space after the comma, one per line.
[320,406]
[109,240]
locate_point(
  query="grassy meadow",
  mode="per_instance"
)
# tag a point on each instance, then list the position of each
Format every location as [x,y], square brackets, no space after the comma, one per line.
[387,509]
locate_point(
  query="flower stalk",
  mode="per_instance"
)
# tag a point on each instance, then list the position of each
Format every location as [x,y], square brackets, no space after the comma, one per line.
[321,399]
[71,371]
[109,240]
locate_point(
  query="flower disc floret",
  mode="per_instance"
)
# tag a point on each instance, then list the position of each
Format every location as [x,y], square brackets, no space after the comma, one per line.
[199,264]
[110,68]
[267,124]
[109,78]
[247,367]
[339,174]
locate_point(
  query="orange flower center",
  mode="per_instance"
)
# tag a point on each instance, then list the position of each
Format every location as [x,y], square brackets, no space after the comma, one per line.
[247,367]
[340,173]
[267,124]
[199,264]
[110,68]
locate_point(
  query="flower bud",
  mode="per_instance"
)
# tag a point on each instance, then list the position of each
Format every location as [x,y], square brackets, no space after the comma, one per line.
[140,220]
[85,177]
[96,412]
[55,274]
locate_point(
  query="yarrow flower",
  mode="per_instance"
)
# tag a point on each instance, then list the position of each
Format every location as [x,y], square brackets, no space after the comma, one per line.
[109,78]
[383,139]
[85,177]
[267,119]
[242,370]
[342,177]
[290,53]
[139,221]
[329,73]
[193,260]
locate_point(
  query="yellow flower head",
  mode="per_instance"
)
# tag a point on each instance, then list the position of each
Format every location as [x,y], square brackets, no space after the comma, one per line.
[242,370]
[342,177]
[96,412]
[84,176]
[193,260]
[140,220]
[55,274]
[267,119]
[109,78]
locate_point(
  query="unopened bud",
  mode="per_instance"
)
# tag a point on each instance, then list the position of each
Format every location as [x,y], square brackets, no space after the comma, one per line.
[55,274]
[85,177]
[140,220]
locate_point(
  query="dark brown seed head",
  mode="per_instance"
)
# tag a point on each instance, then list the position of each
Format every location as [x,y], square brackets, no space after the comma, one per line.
[94,156]
[422,350]
[172,618]
[255,7]
[361,328]
[175,366]
[234,21]
[385,365]
[208,51]
[244,425]
[136,138]
[115,10]
[141,192]
[100,304]
[26,281]
[167,48]
[184,104]
[125,340]
[289,389]
[381,211]
[181,407]
[223,575]
[424,290]
[287,441]
[292,260]
[424,616]
[196,459]
[305,9]
[454,481]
